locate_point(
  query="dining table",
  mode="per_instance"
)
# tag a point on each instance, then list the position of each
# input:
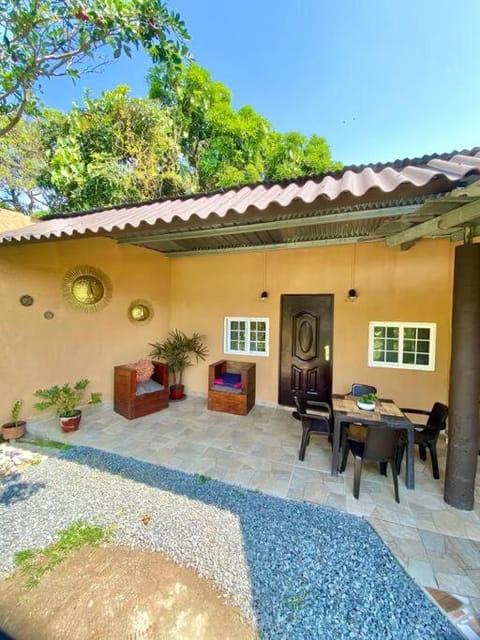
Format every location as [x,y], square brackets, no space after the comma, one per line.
[385,414]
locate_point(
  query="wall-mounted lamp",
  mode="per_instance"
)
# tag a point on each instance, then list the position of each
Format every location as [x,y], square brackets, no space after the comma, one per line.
[352,294]
[264,295]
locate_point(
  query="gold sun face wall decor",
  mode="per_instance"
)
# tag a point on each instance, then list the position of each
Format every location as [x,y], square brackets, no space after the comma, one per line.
[140,311]
[87,288]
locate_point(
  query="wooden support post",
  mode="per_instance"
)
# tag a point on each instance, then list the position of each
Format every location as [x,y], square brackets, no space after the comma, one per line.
[462,450]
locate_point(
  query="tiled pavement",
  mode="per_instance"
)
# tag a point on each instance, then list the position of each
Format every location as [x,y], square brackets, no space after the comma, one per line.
[439,546]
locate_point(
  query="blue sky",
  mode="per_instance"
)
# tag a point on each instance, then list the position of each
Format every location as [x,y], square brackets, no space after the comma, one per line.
[379,79]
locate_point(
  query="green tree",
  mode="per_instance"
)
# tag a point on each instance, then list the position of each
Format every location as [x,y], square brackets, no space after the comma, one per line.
[223,147]
[22,161]
[41,39]
[114,149]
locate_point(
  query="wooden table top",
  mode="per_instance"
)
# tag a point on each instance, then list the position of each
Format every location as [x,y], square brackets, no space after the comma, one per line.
[348,405]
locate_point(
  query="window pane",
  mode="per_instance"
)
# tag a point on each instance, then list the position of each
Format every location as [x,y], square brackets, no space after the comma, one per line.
[234,345]
[379,332]
[408,358]
[410,332]
[392,345]
[422,358]
[392,356]
[379,355]
[424,334]
[423,346]
[392,332]
[409,345]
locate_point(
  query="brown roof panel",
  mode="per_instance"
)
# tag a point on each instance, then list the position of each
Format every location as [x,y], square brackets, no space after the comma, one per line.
[438,174]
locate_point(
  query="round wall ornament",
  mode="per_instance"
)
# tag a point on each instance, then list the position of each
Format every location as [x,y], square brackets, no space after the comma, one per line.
[140,311]
[26,300]
[87,288]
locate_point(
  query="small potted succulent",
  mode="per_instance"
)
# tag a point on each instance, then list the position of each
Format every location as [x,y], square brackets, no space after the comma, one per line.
[65,399]
[367,401]
[15,428]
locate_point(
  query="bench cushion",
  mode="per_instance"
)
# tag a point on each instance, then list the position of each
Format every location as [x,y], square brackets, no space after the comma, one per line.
[148,387]
[226,388]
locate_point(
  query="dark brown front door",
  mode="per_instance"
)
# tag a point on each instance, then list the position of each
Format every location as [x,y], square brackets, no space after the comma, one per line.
[306,347]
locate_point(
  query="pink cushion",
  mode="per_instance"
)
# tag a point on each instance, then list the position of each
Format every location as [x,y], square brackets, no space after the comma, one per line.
[144,369]
[218,381]
[237,385]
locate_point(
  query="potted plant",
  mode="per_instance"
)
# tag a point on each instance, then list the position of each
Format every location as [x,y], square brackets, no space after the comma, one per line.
[367,401]
[65,400]
[15,428]
[177,351]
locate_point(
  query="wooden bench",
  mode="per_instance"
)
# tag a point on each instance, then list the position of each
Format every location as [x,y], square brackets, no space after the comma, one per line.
[229,400]
[128,403]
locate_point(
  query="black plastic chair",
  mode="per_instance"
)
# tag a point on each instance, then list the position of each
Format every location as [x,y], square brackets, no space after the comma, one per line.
[381,445]
[426,435]
[359,432]
[320,423]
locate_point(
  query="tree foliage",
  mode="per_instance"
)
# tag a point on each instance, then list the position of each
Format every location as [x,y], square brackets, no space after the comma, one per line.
[114,149]
[43,39]
[223,146]
[22,162]
[186,137]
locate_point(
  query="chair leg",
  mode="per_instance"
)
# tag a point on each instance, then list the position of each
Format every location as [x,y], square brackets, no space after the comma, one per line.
[399,458]
[393,464]
[356,477]
[382,466]
[344,455]
[432,446]
[423,452]
[303,444]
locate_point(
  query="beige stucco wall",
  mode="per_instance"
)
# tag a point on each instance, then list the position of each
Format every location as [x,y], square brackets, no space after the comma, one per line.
[196,293]
[37,353]
[393,285]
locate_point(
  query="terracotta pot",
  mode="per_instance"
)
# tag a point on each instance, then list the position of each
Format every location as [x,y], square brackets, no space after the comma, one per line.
[13,430]
[176,392]
[70,423]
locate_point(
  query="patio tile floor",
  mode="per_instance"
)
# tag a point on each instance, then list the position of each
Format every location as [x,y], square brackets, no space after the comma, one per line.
[438,546]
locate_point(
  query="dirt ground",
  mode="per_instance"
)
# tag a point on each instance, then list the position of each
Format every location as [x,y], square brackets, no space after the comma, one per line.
[117,593]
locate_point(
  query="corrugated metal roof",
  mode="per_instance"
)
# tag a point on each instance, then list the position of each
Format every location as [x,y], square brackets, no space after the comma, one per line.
[378,186]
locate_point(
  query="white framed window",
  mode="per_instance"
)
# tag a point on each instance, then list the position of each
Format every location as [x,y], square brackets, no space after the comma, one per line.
[246,336]
[402,345]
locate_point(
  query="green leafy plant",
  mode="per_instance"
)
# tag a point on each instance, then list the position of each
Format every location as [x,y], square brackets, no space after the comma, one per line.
[65,399]
[368,398]
[34,563]
[15,412]
[177,351]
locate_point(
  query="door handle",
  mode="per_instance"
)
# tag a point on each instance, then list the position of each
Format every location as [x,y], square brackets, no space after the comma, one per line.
[327,352]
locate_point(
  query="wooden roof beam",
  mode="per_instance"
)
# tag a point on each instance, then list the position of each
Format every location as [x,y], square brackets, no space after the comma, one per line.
[460,216]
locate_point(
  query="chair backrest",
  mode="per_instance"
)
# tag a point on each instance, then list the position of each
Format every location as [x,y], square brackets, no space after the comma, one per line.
[438,416]
[300,401]
[381,443]
[359,389]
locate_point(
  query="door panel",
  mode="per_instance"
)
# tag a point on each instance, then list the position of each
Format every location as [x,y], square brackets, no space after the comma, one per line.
[306,345]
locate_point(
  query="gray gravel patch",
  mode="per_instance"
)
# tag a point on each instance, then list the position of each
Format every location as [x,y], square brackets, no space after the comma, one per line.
[296,570]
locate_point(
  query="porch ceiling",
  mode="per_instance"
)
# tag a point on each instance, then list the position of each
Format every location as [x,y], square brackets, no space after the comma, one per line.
[399,203]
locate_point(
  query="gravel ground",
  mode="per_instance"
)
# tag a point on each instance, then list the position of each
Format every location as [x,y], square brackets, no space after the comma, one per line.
[296,570]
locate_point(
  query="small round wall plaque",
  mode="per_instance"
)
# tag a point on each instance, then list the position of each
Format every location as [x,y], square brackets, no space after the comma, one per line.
[26,300]
[87,288]
[140,311]
[48,315]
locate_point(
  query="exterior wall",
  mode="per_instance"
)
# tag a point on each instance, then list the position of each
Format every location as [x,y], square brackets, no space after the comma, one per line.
[392,285]
[196,293]
[37,353]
